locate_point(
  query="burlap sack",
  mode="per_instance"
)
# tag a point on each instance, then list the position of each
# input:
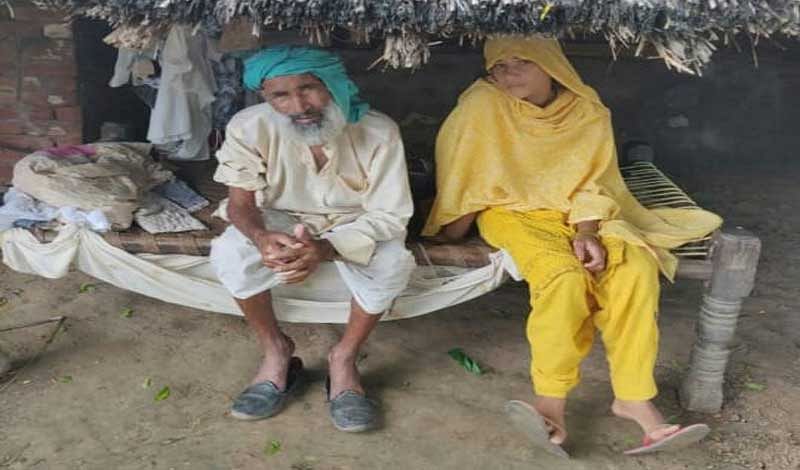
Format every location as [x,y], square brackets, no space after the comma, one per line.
[111,177]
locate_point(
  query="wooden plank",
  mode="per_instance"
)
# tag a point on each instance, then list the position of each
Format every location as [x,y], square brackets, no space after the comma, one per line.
[699,269]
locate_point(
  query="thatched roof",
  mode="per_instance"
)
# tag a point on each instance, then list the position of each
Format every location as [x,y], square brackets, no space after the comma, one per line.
[682,32]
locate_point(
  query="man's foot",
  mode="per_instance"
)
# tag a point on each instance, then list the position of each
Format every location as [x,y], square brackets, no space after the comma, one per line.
[264,399]
[350,409]
[552,410]
[344,374]
[275,365]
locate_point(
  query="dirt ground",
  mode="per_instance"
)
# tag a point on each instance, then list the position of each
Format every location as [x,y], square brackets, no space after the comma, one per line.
[88,401]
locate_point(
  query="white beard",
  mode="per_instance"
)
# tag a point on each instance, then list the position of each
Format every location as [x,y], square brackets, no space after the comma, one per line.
[332,124]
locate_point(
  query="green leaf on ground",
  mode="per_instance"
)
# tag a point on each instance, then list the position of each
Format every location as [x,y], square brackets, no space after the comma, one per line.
[86,287]
[147,383]
[126,312]
[272,447]
[466,362]
[756,387]
[66,379]
[162,394]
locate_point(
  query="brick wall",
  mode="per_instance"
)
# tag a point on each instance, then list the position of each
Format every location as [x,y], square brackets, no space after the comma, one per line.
[38,83]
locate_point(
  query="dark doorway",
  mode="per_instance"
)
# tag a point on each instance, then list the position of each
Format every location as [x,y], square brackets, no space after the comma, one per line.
[99,102]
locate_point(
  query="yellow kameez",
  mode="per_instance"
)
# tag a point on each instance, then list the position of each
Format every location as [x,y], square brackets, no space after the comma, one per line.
[532,173]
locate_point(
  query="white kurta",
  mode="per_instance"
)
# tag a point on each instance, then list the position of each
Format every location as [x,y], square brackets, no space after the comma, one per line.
[364,184]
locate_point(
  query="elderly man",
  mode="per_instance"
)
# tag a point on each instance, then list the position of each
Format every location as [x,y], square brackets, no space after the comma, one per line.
[314,176]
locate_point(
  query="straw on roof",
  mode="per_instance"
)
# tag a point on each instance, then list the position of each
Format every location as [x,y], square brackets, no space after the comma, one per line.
[684,33]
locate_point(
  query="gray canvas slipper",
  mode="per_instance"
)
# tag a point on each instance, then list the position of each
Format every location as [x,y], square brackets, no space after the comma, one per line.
[263,399]
[351,411]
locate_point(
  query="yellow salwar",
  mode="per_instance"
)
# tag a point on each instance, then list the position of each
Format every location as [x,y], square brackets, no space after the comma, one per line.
[562,322]
[532,173]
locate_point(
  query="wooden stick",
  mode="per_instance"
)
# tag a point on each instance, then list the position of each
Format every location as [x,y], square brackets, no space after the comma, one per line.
[15,373]
[36,323]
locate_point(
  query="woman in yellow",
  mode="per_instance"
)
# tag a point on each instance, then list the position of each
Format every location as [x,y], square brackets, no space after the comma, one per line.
[528,153]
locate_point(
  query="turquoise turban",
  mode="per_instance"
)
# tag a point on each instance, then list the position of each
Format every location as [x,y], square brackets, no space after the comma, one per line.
[279,61]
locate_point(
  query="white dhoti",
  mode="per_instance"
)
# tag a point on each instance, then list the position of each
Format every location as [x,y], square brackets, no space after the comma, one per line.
[239,267]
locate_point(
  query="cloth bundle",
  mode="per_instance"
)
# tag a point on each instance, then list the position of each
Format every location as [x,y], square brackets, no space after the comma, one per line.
[110,177]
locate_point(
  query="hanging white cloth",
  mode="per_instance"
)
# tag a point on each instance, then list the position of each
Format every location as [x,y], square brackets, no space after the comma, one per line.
[190,280]
[122,67]
[182,111]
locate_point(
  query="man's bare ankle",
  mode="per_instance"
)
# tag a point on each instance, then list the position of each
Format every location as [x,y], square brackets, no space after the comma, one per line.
[279,346]
[338,354]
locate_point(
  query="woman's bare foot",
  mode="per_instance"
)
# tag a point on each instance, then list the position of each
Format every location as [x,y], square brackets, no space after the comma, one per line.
[646,415]
[275,365]
[553,410]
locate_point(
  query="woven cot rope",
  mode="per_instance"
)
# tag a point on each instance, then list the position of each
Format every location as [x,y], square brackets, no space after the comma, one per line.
[653,189]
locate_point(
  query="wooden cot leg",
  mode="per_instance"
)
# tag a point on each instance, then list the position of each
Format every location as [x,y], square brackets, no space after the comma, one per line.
[735,259]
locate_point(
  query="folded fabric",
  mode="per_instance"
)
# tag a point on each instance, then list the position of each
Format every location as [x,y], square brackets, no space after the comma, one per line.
[19,206]
[160,215]
[180,193]
[23,211]
[28,223]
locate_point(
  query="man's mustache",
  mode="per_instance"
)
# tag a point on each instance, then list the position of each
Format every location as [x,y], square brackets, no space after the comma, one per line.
[315,115]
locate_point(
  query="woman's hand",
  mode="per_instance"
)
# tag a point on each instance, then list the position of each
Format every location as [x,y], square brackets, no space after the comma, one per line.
[589,251]
[455,230]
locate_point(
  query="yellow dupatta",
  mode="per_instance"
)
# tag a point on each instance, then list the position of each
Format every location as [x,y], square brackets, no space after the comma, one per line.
[495,150]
